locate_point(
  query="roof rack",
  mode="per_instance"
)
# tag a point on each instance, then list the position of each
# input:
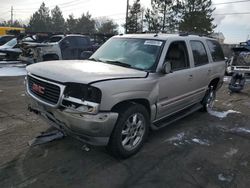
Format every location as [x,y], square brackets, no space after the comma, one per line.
[193,33]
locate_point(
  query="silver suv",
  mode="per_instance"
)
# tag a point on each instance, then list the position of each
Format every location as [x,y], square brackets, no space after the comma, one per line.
[131,84]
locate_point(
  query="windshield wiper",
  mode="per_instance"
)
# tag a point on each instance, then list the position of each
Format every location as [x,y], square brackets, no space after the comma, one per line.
[118,63]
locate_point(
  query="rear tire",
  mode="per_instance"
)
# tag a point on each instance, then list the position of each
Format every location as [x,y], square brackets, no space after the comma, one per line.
[130,132]
[209,99]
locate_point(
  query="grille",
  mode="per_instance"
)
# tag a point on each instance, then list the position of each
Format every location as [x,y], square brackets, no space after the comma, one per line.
[49,93]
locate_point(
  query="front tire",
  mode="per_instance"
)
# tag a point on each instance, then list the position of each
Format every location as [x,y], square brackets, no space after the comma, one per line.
[130,132]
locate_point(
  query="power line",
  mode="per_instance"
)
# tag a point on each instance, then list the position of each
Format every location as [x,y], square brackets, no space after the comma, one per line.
[233,13]
[231,2]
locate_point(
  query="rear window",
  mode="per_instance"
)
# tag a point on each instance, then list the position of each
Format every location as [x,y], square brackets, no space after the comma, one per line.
[215,50]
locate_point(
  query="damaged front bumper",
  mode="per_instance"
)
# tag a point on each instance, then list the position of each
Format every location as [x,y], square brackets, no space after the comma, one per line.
[92,129]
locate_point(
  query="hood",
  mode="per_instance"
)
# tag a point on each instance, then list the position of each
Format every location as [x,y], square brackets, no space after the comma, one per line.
[82,71]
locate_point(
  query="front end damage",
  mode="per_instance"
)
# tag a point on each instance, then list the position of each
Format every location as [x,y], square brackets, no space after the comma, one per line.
[69,109]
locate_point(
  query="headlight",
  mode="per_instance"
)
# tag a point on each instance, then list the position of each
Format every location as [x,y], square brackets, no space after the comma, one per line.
[80,98]
[83,92]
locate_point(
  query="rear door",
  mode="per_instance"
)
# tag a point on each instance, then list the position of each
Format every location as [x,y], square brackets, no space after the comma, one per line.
[201,69]
[69,47]
[83,44]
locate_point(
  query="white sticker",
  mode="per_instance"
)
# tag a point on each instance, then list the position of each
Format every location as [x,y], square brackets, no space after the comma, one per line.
[153,42]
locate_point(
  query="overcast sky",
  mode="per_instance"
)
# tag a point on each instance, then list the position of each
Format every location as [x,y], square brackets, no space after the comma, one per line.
[236,28]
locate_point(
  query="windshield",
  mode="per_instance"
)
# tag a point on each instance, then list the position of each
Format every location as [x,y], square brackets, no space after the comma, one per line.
[131,52]
[10,44]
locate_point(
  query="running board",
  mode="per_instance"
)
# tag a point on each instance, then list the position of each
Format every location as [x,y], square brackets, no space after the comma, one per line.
[172,118]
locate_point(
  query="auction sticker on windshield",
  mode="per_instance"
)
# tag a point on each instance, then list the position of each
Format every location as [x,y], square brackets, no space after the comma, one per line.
[153,42]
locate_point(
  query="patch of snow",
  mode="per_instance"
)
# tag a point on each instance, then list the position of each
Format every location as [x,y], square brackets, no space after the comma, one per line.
[231,152]
[223,177]
[2,130]
[240,130]
[9,62]
[201,142]
[85,148]
[178,137]
[222,114]
[12,71]
[23,95]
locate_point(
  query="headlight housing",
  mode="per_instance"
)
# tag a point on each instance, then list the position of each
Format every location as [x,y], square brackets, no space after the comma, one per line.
[81,98]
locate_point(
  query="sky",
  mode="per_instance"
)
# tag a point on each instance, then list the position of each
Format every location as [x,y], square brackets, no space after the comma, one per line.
[235,27]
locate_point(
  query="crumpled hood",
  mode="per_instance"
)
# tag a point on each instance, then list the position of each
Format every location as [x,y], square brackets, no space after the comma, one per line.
[82,71]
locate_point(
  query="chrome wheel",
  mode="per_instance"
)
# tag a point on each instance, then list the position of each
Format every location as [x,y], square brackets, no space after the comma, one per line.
[133,131]
[210,100]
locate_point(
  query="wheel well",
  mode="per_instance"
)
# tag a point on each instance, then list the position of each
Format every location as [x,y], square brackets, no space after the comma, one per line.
[124,104]
[214,82]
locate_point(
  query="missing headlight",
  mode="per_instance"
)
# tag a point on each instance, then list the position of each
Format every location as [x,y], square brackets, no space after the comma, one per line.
[83,92]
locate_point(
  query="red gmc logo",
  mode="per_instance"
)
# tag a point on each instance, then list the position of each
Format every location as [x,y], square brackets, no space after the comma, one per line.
[38,89]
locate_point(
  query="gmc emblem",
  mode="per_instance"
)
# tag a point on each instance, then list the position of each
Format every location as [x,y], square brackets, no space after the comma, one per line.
[38,89]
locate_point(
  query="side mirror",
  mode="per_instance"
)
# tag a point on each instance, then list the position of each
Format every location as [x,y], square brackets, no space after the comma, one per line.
[166,67]
[86,54]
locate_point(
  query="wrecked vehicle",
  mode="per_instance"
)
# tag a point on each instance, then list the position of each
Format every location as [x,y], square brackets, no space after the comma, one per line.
[6,38]
[131,84]
[10,50]
[238,66]
[240,61]
[58,47]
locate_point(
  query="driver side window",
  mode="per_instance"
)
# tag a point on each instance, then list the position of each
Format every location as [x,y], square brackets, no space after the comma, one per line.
[177,56]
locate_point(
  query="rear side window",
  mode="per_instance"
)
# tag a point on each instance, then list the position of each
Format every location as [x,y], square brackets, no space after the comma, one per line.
[215,50]
[199,53]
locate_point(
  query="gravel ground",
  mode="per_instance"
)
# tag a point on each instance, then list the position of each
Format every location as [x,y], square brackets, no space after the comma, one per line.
[201,150]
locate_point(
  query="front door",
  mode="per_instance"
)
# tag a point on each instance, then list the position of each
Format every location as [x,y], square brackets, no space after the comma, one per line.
[175,87]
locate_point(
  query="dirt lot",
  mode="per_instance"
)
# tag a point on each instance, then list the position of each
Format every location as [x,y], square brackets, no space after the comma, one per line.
[200,150]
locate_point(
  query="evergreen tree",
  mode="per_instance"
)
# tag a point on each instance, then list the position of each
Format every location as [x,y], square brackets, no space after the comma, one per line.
[85,24]
[134,21]
[71,24]
[106,26]
[58,22]
[15,23]
[40,21]
[197,16]
[161,17]
[152,21]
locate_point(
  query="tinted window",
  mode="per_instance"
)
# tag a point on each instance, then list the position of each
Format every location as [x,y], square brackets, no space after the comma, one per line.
[72,41]
[177,55]
[199,53]
[82,41]
[215,50]
[55,39]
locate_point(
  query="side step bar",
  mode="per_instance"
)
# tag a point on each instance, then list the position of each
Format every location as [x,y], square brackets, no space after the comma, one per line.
[172,118]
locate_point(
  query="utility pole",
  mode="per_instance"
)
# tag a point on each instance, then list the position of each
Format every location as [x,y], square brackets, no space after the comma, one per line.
[164,16]
[142,15]
[126,21]
[11,16]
